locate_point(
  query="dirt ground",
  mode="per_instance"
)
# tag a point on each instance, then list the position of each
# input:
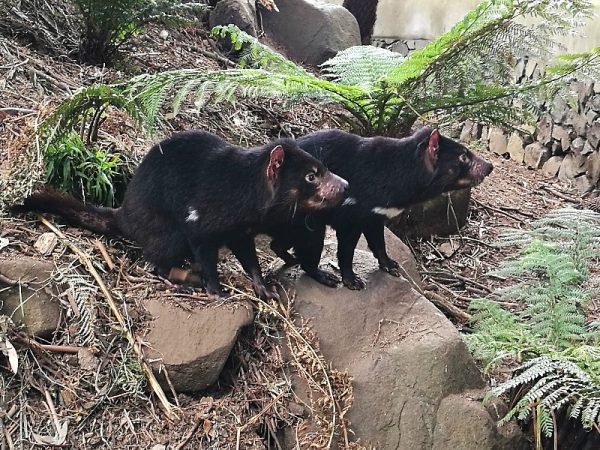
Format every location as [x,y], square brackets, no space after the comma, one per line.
[94,403]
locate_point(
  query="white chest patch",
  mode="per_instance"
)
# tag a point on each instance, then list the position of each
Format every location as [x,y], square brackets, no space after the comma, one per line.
[192,216]
[387,212]
[349,201]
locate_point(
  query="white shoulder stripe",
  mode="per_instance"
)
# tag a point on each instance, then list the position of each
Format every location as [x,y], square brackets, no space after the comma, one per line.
[388,212]
[192,216]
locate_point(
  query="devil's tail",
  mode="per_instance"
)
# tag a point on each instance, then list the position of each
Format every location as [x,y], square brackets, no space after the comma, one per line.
[98,219]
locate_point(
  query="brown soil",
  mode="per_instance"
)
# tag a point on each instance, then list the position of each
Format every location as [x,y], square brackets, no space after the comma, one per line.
[105,410]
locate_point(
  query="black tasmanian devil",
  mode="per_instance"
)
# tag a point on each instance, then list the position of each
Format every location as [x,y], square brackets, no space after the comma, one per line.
[385,175]
[195,192]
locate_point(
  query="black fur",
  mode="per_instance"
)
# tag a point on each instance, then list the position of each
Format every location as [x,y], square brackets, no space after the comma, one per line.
[194,193]
[383,173]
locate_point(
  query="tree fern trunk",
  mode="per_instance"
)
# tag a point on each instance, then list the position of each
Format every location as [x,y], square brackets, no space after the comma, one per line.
[365,12]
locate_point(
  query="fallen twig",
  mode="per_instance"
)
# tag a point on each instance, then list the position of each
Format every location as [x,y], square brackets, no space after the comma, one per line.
[102,249]
[560,194]
[168,408]
[441,302]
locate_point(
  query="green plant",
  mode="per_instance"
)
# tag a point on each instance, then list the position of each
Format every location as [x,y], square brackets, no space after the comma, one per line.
[464,74]
[561,353]
[93,174]
[108,24]
[549,384]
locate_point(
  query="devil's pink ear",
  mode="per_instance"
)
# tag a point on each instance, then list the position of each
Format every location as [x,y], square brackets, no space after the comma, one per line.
[433,147]
[275,163]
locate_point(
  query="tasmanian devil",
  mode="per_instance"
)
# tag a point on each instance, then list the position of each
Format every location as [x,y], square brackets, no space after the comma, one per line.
[195,192]
[385,175]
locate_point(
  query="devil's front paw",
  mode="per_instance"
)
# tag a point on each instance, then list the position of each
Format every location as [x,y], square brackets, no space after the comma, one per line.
[353,282]
[324,277]
[390,266]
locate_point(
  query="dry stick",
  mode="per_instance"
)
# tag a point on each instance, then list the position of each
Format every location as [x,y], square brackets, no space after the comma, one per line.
[52,410]
[491,208]
[190,434]
[168,408]
[560,194]
[50,347]
[254,418]
[439,300]
[291,327]
[100,246]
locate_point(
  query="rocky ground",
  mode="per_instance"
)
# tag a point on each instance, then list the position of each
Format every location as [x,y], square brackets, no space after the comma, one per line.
[100,392]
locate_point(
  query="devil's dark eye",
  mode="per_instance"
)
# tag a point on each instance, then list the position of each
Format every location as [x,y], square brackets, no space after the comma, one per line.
[311,177]
[464,158]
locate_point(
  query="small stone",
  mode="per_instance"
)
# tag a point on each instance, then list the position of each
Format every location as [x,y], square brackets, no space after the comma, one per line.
[587,148]
[87,360]
[485,133]
[552,166]
[594,102]
[583,184]
[498,141]
[164,34]
[544,127]
[584,90]
[536,155]
[590,116]
[399,47]
[45,243]
[515,147]
[448,248]
[465,134]
[593,134]
[580,124]
[558,109]
[564,135]
[577,146]
[40,314]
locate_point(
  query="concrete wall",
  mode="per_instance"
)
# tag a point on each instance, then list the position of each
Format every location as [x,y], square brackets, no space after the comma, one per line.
[427,19]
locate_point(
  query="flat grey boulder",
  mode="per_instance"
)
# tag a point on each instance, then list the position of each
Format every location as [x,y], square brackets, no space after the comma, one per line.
[192,345]
[407,361]
[311,31]
[31,303]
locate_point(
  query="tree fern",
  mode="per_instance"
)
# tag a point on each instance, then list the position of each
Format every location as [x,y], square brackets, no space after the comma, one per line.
[562,368]
[464,74]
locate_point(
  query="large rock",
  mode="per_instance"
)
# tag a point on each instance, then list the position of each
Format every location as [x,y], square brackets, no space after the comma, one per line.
[241,13]
[498,140]
[536,155]
[564,134]
[462,422]
[193,345]
[594,134]
[441,216]
[34,304]
[552,166]
[545,126]
[311,31]
[571,167]
[593,167]
[515,147]
[408,362]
